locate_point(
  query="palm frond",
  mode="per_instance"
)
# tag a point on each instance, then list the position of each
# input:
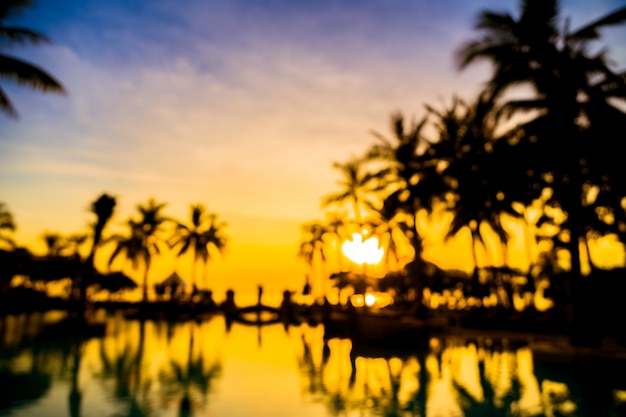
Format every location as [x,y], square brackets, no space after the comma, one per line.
[22,35]
[27,74]
[6,106]
[12,8]
[590,31]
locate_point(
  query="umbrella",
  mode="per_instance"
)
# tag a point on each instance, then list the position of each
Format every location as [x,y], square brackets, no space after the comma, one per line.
[113,282]
[173,280]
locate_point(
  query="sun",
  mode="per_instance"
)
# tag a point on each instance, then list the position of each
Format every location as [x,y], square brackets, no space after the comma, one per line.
[362,252]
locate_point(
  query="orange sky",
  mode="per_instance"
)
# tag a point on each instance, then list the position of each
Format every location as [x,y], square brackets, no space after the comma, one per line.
[242,107]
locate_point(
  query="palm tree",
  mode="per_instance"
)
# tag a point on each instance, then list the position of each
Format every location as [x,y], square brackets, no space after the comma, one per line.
[103,209]
[573,88]
[478,179]
[413,182]
[204,232]
[55,243]
[357,187]
[387,230]
[143,241]
[17,70]
[6,224]
[576,93]
[313,246]
[337,225]
[194,375]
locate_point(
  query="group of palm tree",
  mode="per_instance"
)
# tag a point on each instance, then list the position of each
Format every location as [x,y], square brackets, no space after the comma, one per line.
[146,237]
[496,158]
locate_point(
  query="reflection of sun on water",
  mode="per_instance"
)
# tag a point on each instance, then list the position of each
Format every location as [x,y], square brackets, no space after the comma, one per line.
[362,251]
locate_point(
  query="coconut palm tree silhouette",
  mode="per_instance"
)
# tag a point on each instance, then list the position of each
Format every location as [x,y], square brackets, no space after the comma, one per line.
[103,208]
[570,82]
[203,233]
[412,182]
[313,246]
[14,69]
[474,173]
[143,241]
[55,243]
[357,187]
[575,91]
[6,225]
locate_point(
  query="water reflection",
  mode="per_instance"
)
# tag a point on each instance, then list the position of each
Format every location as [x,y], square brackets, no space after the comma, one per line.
[145,368]
[454,377]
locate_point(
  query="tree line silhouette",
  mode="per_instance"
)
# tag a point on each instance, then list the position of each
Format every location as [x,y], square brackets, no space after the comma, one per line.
[498,159]
[147,235]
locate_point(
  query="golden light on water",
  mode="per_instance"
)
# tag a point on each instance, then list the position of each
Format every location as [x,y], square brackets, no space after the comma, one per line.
[372,299]
[362,251]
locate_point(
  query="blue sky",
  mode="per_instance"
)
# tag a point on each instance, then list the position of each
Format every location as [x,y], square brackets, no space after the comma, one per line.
[241,105]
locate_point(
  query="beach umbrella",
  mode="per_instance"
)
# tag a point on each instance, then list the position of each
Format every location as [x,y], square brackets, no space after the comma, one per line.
[113,282]
[173,280]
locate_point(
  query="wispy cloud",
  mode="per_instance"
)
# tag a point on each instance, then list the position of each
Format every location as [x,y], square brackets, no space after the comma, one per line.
[242,105]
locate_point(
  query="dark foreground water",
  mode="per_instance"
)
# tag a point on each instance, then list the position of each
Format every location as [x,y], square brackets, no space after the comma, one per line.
[205,369]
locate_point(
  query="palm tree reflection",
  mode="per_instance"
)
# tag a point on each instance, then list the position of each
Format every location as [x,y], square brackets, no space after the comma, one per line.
[194,379]
[347,380]
[453,377]
[498,398]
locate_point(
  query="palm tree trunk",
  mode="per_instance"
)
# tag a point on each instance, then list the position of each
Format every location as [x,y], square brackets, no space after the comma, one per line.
[474,256]
[205,278]
[528,247]
[357,211]
[194,287]
[588,253]
[416,268]
[144,295]
[135,408]
[75,394]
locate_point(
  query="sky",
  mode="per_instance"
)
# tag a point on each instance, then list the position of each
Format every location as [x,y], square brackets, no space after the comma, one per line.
[240,105]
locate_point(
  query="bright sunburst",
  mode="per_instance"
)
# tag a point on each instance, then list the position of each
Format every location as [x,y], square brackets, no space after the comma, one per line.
[362,252]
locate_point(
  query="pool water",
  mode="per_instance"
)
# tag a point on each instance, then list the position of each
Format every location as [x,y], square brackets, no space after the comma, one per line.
[210,368]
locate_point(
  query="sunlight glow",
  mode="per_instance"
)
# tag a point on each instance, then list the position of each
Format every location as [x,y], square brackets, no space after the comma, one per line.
[371,299]
[362,252]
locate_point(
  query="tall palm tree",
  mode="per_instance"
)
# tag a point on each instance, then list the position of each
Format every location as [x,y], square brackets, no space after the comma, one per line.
[477,177]
[143,241]
[387,230]
[412,180]
[573,87]
[55,243]
[313,246]
[337,226]
[204,232]
[195,374]
[357,187]
[103,208]
[575,92]
[6,225]
[14,69]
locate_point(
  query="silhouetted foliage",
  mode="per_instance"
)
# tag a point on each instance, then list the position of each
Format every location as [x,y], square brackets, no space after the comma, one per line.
[14,69]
